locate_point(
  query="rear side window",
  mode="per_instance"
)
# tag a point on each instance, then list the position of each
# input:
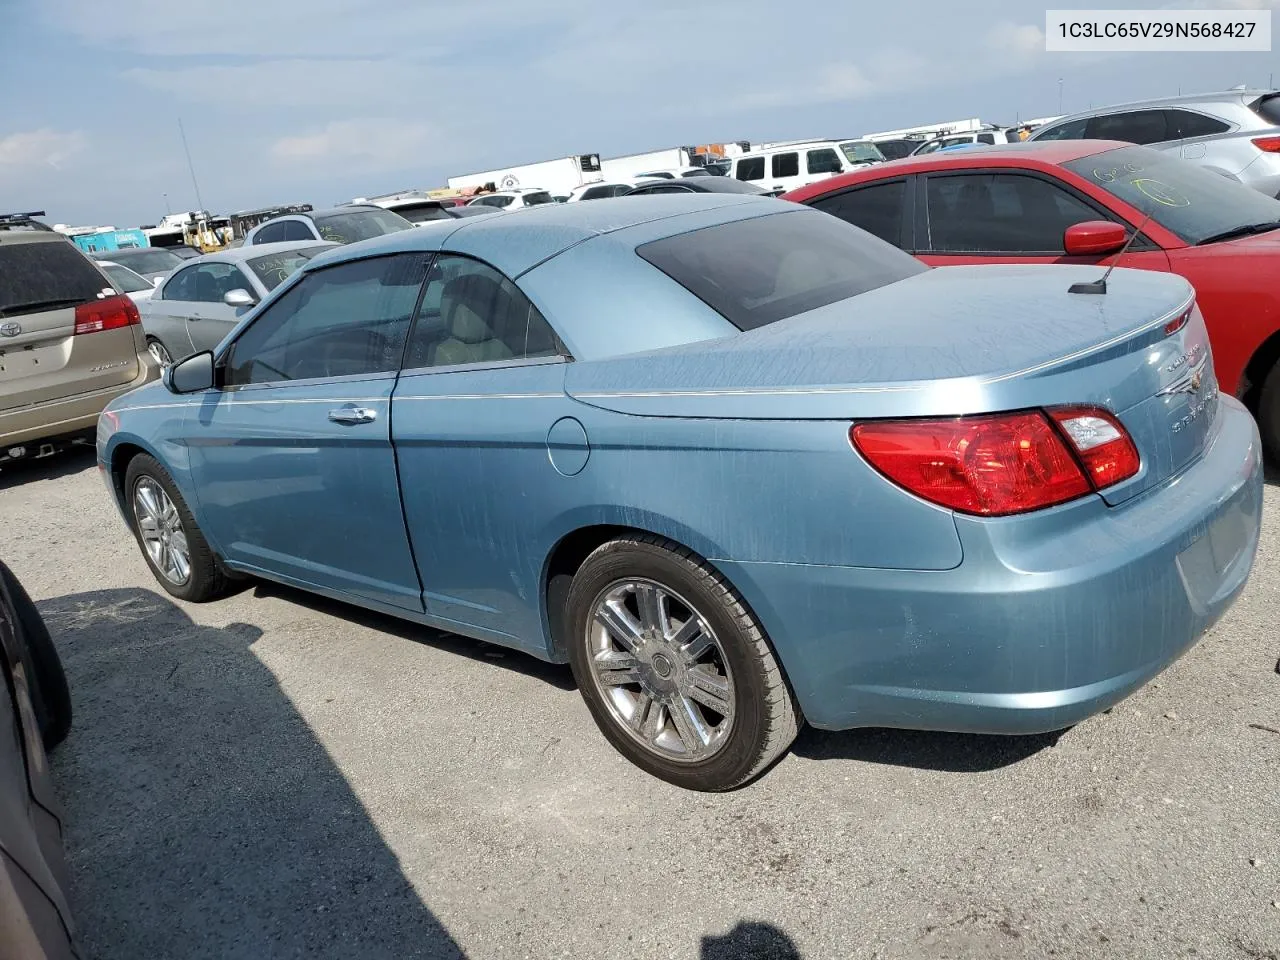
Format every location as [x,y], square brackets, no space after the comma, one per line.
[45,276]
[786,164]
[271,233]
[1135,126]
[1184,123]
[750,168]
[876,209]
[989,138]
[756,272]
[1268,108]
[297,230]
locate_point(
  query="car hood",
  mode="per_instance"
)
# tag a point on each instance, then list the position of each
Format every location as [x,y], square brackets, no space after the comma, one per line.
[950,340]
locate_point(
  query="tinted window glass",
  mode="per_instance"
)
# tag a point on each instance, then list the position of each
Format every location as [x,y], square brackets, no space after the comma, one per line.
[662,188]
[863,151]
[1000,213]
[533,199]
[1072,130]
[876,209]
[271,233]
[755,272]
[751,168]
[421,212]
[786,165]
[346,320]
[1189,200]
[895,149]
[1183,124]
[213,281]
[275,268]
[929,147]
[823,161]
[986,138]
[471,313]
[1136,126]
[493,200]
[41,276]
[1268,108]
[297,230]
[148,260]
[358,225]
[596,193]
[181,286]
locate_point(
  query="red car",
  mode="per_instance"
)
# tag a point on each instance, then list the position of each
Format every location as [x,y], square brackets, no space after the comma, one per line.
[1077,202]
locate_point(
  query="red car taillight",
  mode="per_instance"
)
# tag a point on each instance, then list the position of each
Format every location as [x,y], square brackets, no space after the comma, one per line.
[1267,144]
[110,313]
[1000,464]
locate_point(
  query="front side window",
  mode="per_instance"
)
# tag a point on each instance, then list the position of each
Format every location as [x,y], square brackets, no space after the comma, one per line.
[347,320]
[1001,213]
[1135,126]
[1192,202]
[929,147]
[471,313]
[213,281]
[755,272]
[750,168]
[786,165]
[181,286]
[823,161]
[876,209]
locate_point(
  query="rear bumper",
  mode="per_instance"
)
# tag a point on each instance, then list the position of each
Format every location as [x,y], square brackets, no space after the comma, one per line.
[68,415]
[1049,619]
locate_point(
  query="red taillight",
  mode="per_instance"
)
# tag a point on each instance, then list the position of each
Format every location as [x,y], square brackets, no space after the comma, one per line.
[110,313]
[1101,443]
[1000,464]
[1267,144]
[1177,323]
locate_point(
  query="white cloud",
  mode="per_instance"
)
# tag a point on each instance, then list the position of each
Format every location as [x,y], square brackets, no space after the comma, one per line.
[370,144]
[39,148]
[290,83]
[1016,39]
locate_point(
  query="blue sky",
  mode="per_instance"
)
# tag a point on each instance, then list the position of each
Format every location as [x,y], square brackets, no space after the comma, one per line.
[323,100]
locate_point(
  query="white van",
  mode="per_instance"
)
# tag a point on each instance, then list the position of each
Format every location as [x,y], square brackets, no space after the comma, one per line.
[788,166]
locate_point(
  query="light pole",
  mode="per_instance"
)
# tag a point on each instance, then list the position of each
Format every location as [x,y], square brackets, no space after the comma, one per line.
[1059,96]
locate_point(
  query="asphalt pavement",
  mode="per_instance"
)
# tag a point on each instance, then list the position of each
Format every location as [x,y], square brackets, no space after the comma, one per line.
[273,776]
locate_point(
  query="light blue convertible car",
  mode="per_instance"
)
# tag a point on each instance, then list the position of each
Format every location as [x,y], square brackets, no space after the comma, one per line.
[739,463]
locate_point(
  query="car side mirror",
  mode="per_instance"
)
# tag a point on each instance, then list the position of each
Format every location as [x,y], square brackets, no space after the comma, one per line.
[239,298]
[191,375]
[1094,238]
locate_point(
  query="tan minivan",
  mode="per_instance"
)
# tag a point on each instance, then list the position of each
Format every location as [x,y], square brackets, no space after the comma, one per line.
[69,342]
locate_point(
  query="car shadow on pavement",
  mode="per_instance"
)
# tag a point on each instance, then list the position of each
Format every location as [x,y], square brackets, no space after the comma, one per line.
[750,941]
[923,750]
[204,819]
[61,464]
[558,675]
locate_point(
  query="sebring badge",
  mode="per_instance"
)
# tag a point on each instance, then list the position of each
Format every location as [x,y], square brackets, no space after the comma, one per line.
[10,329]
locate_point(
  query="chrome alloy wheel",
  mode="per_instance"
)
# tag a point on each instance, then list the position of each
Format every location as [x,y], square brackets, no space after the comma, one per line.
[159,353]
[661,670]
[161,528]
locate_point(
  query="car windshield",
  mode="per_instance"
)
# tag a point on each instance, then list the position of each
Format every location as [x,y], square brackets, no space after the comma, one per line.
[1187,200]
[756,272]
[150,260]
[126,279]
[532,199]
[861,151]
[275,268]
[360,225]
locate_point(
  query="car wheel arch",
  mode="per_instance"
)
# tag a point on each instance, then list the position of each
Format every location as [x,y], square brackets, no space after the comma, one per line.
[1260,364]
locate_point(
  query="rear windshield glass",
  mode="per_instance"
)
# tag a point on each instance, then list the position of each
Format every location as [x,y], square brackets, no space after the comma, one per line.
[531,199]
[126,279]
[1268,108]
[146,261]
[360,225]
[1192,202]
[422,212]
[756,272]
[275,268]
[45,276]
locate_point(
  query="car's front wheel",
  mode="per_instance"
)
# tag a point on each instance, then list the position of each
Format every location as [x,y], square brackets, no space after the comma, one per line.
[176,551]
[675,669]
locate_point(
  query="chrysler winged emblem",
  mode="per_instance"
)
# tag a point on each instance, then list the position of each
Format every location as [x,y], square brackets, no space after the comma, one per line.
[10,329]
[1196,379]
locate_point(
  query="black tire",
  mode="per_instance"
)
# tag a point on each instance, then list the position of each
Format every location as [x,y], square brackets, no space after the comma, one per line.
[50,695]
[1269,414]
[206,580]
[766,719]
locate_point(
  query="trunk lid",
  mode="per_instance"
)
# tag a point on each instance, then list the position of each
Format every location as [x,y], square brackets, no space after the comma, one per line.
[951,341]
[42,279]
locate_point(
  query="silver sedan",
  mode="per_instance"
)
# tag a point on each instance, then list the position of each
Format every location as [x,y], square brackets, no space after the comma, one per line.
[198,304]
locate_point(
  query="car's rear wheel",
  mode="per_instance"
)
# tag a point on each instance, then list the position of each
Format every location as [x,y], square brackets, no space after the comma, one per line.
[1269,414]
[675,669]
[158,352]
[176,551]
[50,695]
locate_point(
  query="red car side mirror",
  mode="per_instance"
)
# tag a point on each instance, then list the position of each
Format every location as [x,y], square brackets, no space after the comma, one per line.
[1093,238]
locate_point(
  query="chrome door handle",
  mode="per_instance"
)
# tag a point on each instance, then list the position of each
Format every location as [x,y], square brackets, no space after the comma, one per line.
[353,414]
